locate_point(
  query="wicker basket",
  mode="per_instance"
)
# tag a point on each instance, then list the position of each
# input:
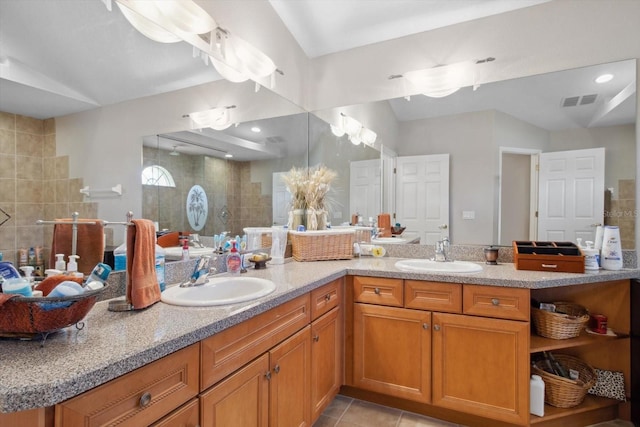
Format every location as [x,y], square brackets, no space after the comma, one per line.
[322,245]
[563,392]
[560,326]
[42,315]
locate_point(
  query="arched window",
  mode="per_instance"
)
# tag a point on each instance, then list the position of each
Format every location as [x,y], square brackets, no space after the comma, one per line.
[158,176]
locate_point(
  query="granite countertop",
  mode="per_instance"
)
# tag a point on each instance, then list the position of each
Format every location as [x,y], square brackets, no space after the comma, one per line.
[114,343]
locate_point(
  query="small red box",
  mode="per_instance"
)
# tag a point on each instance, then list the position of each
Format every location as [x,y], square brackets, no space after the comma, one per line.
[598,323]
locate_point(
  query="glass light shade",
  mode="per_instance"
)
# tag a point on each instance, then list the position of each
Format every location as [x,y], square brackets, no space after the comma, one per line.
[147,27]
[351,125]
[355,139]
[227,72]
[254,62]
[443,80]
[368,136]
[337,130]
[216,118]
[186,16]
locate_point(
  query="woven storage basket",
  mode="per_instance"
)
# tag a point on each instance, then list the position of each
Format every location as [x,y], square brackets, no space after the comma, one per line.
[560,326]
[563,392]
[322,245]
[22,315]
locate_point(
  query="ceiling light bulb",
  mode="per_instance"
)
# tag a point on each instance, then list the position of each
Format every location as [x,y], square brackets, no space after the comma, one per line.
[604,78]
[255,129]
[228,155]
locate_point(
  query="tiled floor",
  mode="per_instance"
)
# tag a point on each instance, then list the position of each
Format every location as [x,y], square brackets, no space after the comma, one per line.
[347,412]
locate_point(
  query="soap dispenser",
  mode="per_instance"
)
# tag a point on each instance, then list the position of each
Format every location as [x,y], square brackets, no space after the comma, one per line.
[60,264]
[72,265]
[234,261]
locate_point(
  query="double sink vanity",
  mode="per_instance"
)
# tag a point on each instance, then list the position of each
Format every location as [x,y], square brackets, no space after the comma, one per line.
[454,345]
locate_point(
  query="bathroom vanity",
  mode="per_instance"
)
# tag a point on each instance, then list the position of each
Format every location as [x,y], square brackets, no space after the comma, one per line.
[453,346]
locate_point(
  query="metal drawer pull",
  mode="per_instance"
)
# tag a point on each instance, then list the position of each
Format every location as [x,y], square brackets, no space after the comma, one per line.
[145,399]
[267,375]
[495,301]
[316,338]
[425,326]
[327,297]
[377,291]
[549,265]
[436,327]
[276,369]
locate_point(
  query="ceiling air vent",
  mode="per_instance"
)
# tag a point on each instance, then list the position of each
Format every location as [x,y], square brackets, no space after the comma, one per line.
[573,101]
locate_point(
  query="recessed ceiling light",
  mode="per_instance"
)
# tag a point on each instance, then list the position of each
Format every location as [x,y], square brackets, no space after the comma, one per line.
[228,156]
[604,78]
[255,129]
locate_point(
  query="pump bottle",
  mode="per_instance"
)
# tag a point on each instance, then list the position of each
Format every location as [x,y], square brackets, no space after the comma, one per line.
[234,261]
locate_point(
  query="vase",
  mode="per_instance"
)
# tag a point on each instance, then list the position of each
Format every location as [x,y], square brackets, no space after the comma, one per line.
[312,219]
[321,217]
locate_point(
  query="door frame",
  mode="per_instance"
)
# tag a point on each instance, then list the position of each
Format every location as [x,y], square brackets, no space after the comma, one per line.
[533,191]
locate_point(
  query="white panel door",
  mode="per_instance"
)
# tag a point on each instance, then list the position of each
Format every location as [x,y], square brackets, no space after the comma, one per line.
[364,188]
[281,200]
[422,195]
[571,199]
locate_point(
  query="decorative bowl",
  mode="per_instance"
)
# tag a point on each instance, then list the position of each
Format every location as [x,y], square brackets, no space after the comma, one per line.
[396,230]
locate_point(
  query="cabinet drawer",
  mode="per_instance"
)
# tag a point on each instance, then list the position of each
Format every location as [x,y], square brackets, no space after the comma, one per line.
[326,298]
[187,415]
[433,296]
[373,290]
[224,352]
[494,301]
[138,398]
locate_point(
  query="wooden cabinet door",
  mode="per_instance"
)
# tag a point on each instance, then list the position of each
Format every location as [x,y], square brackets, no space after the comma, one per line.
[326,361]
[392,351]
[188,415]
[241,399]
[290,385]
[481,366]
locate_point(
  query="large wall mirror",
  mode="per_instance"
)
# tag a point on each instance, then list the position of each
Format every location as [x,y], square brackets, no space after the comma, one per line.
[491,134]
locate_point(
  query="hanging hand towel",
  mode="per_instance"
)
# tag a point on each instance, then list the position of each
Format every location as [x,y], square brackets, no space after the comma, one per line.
[89,244]
[142,283]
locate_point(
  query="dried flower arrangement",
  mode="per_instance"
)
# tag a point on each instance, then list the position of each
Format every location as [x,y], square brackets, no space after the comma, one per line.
[309,188]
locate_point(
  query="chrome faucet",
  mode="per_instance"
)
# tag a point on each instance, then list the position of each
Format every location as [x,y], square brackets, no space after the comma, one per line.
[201,273]
[442,250]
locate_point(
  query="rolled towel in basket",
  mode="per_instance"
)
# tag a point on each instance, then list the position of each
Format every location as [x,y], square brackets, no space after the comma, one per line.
[89,244]
[142,283]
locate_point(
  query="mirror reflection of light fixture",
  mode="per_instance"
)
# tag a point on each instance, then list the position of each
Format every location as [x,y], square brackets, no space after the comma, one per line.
[354,131]
[170,21]
[444,80]
[174,152]
[215,118]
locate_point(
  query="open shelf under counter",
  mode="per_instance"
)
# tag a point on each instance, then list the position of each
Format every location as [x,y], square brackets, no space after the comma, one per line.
[538,343]
[590,405]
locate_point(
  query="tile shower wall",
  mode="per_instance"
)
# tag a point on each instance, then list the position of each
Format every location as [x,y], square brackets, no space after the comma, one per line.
[34,184]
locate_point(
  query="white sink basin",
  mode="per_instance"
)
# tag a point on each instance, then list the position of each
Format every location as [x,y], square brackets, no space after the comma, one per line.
[429,266]
[219,291]
[388,240]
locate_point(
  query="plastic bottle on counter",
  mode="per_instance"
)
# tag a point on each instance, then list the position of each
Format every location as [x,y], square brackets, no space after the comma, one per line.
[234,261]
[160,260]
[185,250]
[120,255]
[536,394]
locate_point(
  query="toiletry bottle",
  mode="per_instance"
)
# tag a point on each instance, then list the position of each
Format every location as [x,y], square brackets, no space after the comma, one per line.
[234,262]
[536,393]
[160,258]
[120,255]
[60,264]
[72,265]
[185,250]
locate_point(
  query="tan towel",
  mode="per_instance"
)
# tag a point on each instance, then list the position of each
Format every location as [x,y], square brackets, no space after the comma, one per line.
[384,222]
[142,283]
[89,244]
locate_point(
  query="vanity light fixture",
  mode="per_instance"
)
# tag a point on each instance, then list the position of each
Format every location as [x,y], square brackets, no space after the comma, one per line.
[215,118]
[444,80]
[171,21]
[354,131]
[174,152]
[604,78]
